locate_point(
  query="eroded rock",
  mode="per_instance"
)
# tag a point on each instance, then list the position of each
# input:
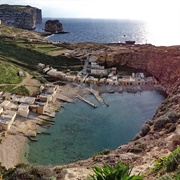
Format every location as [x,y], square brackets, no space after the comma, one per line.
[53,26]
[24,17]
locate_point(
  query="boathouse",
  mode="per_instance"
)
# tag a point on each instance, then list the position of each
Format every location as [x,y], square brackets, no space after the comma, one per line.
[6,119]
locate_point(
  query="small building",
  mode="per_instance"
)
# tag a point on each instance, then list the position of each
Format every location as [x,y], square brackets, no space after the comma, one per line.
[46,69]
[43,97]
[21,73]
[70,78]
[29,100]
[41,66]
[16,98]
[7,118]
[5,104]
[41,107]
[23,110]
[1,110]
[7,96]
[1,93]
[52,72]
[5,123]
[114,70]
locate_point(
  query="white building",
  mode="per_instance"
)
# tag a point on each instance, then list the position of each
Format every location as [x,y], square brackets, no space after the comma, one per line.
[23,110]
[7,118]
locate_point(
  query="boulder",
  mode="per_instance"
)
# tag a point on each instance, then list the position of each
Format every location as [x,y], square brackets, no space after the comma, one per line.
[174,139]
[53,26]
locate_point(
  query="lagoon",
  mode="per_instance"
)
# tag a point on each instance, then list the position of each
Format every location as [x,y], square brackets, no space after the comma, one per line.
[80,130]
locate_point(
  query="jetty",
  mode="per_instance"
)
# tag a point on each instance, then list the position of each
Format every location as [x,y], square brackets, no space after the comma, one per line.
[32,138]
[86,101]
[98,97]
[64,98]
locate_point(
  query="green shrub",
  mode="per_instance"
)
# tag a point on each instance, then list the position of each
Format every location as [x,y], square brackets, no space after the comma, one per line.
[27,172]
[166,101]
[103,152]
[119,172]
[169,163]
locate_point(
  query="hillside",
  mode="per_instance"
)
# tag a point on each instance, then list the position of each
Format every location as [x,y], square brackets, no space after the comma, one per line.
[23,50]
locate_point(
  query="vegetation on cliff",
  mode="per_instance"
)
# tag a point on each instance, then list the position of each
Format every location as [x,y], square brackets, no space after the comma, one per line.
[168,167]
[119,172]
[25,172]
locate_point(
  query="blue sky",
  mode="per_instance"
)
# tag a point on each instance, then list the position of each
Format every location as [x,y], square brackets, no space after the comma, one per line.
[150,10]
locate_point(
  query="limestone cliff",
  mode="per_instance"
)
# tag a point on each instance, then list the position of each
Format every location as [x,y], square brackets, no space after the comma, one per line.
[24,17]
[161,62]
[53,26]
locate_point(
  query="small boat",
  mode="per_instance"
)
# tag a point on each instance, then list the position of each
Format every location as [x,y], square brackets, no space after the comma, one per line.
[130,42]
[111,91]
[32,138]
[46,133]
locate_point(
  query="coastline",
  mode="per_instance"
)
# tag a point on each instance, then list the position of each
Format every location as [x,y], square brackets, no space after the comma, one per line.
[12,150]
[15,146]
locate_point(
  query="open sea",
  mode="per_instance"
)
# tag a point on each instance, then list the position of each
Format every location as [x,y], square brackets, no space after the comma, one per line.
[81,131]
[114,30]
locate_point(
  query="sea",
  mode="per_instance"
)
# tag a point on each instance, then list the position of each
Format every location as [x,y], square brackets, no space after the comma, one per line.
[116,30]
[81,131]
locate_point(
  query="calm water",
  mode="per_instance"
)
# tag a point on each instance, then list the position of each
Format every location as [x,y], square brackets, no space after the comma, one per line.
[108,30]
[80,130]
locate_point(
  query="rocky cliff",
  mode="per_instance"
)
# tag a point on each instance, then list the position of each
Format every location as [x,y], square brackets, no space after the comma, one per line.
[161,62]
[161,134]
[24,17]
[53,26]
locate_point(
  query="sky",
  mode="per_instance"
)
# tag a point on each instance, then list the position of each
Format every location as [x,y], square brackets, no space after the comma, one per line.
[148,10]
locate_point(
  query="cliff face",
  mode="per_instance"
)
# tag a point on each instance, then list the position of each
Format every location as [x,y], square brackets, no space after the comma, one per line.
[53,26]
[24,17]
[161,62]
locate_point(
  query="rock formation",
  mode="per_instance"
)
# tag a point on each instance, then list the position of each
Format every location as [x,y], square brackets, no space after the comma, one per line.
[53,26]
[24,17]
[161,62]
[160,135]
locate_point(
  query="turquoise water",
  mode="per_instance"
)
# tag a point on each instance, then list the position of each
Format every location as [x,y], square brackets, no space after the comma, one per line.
[80,130]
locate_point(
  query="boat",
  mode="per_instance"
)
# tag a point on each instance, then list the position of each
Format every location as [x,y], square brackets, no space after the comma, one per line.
[111,91]
[32,138]
[130,42]
[46,133]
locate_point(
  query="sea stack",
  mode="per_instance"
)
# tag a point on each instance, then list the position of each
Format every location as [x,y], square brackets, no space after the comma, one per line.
[54,26]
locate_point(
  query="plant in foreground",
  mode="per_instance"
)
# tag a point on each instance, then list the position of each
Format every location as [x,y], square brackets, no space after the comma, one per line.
[119,172]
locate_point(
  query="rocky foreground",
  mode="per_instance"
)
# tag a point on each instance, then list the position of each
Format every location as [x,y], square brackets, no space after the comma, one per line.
[160,135]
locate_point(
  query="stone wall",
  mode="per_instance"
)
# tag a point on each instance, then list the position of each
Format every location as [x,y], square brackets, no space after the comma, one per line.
[24,17]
